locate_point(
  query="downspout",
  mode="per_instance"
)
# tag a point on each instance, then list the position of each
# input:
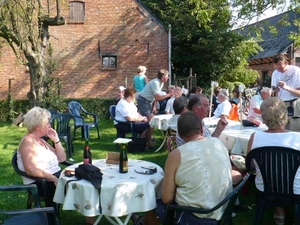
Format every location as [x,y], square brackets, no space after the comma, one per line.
[170,63]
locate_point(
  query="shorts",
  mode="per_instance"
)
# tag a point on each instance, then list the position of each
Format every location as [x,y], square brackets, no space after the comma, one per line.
[294,121]
[145,107]
[182,218]
[138,127]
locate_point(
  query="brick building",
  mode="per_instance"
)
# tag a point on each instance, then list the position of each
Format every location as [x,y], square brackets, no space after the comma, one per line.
[99,48]
[273,43]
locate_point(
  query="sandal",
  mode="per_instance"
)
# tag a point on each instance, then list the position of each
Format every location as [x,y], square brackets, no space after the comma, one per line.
[137,219]
[279,220]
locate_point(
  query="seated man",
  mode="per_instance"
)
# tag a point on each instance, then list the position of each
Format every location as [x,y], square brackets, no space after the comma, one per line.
[169,107]
[127,111]
[224,106]
[213,174]
[254,114]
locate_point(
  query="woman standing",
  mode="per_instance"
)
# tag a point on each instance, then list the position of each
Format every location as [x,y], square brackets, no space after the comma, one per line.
[140,80]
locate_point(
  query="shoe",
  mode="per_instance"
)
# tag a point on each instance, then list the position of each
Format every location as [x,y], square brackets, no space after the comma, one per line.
[241,208]
[279,220]
[137,219]
[149,148]
[153,139]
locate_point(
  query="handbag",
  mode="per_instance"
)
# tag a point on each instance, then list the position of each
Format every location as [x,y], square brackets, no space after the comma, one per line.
[137,144]
[89,172]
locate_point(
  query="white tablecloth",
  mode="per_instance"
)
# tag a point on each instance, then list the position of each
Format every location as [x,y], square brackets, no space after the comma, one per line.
[161,122]
[121,194]
[236,139]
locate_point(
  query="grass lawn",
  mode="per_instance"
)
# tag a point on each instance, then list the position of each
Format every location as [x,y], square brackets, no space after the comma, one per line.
[9,140]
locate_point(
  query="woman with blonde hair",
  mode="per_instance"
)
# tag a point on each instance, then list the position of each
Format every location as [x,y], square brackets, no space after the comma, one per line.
[274,115]
[37,157]
[140,80]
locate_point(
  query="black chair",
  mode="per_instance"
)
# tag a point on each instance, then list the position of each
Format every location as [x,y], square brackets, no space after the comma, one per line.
[80,114]
[62,123]
[278,166]
[35,216]
[46,197]
[227,215]
[121,134]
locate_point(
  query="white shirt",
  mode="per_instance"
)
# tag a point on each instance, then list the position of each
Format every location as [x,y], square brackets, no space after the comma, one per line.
[292,79]
[203,177]
[255,102]
[287,139]
[222,109]
[124,109]
[169,106]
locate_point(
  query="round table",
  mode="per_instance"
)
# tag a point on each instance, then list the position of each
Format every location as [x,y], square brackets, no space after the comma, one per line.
[121,193]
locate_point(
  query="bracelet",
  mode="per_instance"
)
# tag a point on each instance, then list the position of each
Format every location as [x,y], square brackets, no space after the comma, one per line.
[57,142]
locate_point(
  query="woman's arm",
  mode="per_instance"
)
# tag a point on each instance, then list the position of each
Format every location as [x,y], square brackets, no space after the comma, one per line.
[168,185]
[249,147]
[59,151]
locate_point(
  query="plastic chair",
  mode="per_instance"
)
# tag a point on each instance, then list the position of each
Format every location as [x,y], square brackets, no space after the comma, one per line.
[77,110]
[46,198]
[278,166]
[62,124]
[36,216]
[227,215]
[121,134]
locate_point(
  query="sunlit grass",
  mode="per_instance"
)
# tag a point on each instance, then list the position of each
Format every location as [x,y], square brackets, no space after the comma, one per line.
[9,140]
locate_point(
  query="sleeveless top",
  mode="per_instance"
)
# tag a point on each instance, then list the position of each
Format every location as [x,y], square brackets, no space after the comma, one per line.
[139,82]
[287,139]
[203,177]
[46,161]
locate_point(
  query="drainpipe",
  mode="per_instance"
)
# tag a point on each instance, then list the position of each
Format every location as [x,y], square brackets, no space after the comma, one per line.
[170,63]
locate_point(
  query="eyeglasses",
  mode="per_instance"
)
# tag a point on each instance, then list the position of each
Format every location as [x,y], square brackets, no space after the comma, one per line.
[204,105]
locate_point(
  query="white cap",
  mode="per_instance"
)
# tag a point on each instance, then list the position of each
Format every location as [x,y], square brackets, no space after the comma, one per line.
[122,88]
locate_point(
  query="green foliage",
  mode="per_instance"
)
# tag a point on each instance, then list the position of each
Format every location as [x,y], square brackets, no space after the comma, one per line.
[202,38]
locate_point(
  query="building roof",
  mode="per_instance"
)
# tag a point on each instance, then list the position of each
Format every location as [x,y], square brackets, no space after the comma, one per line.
[272,43]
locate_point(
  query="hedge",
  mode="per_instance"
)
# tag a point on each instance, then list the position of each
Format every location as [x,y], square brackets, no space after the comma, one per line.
[95,105]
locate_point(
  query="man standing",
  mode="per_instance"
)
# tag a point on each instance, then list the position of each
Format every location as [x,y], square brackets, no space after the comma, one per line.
[286,81]
[151,93]
[254,114]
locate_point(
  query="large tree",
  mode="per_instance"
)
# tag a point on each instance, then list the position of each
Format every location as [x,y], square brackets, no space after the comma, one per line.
[24,26]
[202,38]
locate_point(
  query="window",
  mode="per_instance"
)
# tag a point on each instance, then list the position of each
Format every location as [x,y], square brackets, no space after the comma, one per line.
[77,12]
[109,61]
[297,59]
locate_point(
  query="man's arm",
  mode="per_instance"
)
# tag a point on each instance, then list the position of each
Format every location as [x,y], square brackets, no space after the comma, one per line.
[168,185]
[158,97]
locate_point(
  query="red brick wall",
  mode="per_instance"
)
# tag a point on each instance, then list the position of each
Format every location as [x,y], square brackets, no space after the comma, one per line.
[120,27]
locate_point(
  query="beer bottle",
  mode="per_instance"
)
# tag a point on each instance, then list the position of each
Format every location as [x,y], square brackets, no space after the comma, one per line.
[123,161]
[87,155]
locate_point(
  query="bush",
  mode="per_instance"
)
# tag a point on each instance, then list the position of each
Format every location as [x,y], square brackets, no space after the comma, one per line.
[94,105]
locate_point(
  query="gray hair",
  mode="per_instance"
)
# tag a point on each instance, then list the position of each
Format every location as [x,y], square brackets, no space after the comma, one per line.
[266,89]
[36,116]
[224,92]
[274,113]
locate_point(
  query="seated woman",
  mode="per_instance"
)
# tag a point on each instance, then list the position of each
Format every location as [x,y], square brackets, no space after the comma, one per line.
[35,156]
[193,159]
[127,111]
[274,115]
